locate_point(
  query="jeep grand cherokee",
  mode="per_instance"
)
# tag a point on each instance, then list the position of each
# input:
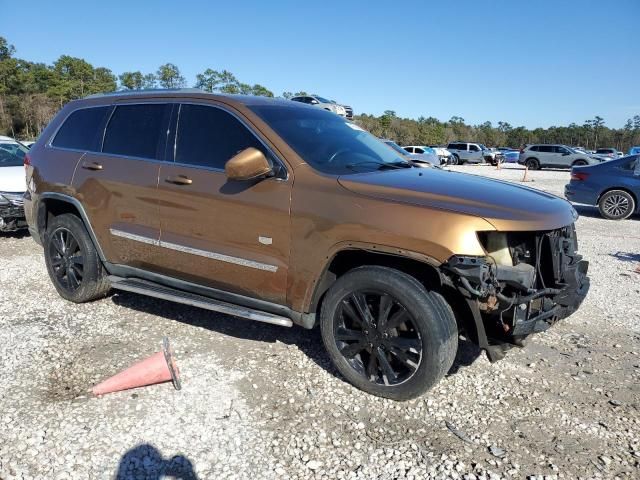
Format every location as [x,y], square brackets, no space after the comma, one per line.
[279,212]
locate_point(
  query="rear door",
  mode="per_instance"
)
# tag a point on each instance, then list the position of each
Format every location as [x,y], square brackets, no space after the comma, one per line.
[546,154]
[229,235]
[117,184]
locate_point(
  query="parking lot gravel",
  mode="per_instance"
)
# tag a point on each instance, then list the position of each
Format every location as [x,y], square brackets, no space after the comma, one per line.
[260,401]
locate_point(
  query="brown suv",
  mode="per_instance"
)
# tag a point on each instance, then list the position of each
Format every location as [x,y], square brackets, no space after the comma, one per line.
[283,213]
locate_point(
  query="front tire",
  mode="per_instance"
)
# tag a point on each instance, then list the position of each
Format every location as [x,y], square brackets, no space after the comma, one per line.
[72,261]
[579,163]
[386,334]
[532,164]
[616,205]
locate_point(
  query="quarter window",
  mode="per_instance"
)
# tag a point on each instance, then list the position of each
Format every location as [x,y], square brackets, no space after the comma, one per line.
[137,131]
[80,129]
[209,137]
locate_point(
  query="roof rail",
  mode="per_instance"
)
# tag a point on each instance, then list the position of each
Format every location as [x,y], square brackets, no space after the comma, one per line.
[146,90]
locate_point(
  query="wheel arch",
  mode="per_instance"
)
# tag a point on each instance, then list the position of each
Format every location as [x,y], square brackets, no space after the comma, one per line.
[421,267]
[52,204]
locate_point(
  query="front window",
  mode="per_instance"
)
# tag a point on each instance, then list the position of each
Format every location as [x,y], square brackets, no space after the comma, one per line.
[8,159]
[323,100]
[14,148]
[329,143]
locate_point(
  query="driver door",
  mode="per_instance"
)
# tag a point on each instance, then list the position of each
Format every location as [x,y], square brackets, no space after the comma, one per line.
[229,235]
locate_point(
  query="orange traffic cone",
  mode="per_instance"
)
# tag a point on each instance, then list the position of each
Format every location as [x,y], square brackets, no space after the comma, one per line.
[158,368]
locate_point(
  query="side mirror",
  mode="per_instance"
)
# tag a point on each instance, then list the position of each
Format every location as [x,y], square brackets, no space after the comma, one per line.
[314,102]
[248,165]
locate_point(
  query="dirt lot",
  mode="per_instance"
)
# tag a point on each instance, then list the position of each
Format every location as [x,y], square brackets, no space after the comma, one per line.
[263,402]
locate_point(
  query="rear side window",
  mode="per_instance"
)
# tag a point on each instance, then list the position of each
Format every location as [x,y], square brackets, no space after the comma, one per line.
[546,148]
[137,131]
[80,129]
[209,136]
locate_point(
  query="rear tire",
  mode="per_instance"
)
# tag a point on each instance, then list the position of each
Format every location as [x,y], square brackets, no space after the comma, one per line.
[72,260]
[616,205]
[386,334]
[532,163]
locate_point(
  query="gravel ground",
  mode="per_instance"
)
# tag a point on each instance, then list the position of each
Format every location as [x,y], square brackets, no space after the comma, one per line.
[263,402]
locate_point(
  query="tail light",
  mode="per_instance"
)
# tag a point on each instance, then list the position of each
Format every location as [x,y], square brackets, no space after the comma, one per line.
[27,160]
[522,150]
[579,176]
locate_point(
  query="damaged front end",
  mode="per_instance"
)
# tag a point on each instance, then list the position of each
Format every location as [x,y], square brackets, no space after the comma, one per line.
[525,283]
[12,216]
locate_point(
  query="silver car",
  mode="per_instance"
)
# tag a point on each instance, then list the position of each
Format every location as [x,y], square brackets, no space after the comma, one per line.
[555,156]
[322,103]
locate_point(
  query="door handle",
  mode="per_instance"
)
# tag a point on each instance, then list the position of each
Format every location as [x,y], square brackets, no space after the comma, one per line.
[179,180]
[92,166]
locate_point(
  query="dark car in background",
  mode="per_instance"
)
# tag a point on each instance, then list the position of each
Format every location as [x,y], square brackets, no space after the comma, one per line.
[614,187]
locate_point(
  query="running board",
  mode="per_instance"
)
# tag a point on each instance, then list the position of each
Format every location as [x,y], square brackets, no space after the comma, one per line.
[156,290]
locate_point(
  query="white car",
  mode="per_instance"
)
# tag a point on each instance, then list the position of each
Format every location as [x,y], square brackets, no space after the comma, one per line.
[322,103]
[424,159]
[12,184]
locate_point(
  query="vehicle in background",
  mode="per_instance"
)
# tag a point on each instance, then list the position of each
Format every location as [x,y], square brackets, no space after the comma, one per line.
[348,110]
[540,156]
[425,158]
[13,146]
[511,156]
[466,152]
[444,154]
[275,211]
[613,186]
[507,149]
[12,187]
[321,102]
[634,151]
[609,153]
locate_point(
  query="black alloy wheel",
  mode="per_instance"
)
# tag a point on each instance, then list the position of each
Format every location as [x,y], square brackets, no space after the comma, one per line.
[386,333]
[67,259]
[376,335]
[73,263]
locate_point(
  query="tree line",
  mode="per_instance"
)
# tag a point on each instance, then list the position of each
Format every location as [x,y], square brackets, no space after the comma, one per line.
[31,93]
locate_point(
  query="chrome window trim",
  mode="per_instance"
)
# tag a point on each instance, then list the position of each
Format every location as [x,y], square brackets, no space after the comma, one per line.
[195,251]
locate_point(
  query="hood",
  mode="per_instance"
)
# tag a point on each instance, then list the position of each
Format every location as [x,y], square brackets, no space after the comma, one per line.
[507,206]
[12,179]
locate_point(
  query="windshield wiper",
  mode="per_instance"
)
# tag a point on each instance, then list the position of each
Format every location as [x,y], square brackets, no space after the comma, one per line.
[381,165]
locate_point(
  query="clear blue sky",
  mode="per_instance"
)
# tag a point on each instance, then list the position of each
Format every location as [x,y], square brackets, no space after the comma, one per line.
[532,63]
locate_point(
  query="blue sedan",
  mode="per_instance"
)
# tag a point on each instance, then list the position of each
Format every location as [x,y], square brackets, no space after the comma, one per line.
[613,186]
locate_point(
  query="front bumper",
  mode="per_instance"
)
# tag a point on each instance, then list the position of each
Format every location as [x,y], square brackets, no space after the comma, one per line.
[12,218]
[547,282]
[578,192]
[539,314]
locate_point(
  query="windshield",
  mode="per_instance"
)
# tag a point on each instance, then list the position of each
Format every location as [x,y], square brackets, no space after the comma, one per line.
[14,148]
[327,142]
[8,159]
